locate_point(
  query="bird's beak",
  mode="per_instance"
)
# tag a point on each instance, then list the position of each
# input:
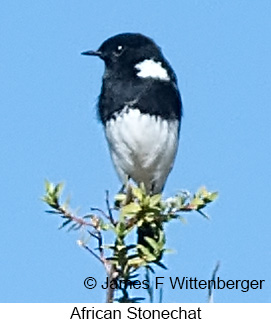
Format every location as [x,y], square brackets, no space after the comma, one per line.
[92,53]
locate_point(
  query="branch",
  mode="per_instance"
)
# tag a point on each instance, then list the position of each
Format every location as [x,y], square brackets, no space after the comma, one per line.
[140,215]
[92,252]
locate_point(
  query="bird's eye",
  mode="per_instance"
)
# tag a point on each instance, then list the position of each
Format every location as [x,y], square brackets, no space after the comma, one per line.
[119,50]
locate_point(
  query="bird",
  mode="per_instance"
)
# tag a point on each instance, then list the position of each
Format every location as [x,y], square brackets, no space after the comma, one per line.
[140,108]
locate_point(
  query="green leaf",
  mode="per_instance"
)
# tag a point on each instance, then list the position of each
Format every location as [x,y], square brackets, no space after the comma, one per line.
[169,251]
[136,262]
[58,189]
[150,269]
[162,240]
[197,202]
[146,201]
[52,212]
[113,228]
[120,197]
[51,202]
[133,256]
[131,208]
[45,199]
[147,255]
[120,228]
[202,191]
[152,243]
[64,224]
[212,196]
[138,193]
[155,199]
[74,226]
[48,186]
[160,264]
[142,187]
[104,226]
[206,216]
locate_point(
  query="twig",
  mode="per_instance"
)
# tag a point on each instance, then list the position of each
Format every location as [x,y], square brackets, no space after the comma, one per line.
[161,295]
[94,254]
[100,244]
[74,218]
[109,208]
[210,292]
[101,211]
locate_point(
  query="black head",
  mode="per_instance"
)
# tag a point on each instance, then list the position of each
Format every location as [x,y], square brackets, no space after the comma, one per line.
[125,50]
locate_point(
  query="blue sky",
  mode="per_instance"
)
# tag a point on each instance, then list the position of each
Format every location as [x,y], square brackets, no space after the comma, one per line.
[221,53]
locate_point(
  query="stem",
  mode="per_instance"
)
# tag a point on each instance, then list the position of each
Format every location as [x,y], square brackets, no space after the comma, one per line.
[109,209]
[94,254]
[210,292]
[110,291]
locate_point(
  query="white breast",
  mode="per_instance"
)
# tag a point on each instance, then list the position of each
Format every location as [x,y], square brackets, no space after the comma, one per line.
[142,147]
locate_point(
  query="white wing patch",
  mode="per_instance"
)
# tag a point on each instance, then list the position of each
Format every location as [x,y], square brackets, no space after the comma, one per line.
[143,147]
[152,69]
